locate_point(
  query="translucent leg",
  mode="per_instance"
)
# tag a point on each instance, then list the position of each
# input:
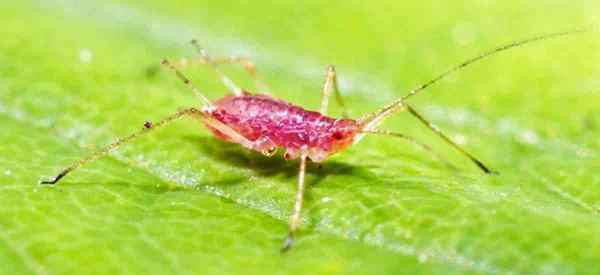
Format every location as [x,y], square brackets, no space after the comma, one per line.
[296,217]
[330,85]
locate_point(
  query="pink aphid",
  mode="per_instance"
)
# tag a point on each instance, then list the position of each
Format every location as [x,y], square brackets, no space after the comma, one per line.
[272,123]
[262,123]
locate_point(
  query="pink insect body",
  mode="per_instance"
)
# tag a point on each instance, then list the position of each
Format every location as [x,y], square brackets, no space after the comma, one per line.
[263,123]
[272,123]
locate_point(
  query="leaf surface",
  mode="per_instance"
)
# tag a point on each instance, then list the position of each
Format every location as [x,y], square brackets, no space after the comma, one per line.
[76,75]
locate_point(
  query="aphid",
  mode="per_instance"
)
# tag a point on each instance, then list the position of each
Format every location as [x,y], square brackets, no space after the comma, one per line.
[263,123]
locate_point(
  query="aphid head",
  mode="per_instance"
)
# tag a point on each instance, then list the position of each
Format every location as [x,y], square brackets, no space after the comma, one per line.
[338,137]
[342,134]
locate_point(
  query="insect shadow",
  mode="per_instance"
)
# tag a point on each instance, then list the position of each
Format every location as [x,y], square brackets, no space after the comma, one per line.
[235,156]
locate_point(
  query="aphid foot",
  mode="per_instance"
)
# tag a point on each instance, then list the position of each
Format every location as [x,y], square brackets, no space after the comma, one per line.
[493,173]
[289,242]
[49,182]
[57,178]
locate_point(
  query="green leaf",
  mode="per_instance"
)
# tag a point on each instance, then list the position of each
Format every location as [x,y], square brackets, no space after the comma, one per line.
[76,75]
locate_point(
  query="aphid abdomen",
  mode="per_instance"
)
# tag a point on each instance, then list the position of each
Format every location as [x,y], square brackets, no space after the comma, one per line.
[277,123]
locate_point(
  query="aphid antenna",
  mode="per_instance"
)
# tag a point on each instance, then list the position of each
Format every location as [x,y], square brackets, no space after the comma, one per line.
[368,123]
[373,119]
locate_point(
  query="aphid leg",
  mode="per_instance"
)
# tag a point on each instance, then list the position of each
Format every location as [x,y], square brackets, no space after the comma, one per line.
[226,80]
[296,218]
[245,62]
[249,67]
[148,126]
[232,134]
[370,122]
[188,82]
[414,142]
[331,84]
[435,129]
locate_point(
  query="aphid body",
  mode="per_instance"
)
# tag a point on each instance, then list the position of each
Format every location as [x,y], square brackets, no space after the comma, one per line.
[272,123]
[263,123]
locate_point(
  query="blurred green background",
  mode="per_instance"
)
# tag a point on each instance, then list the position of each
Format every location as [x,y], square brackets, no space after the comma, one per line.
[76,74]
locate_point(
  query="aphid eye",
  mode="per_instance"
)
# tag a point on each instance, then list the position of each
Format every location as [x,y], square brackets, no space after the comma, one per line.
[338,135]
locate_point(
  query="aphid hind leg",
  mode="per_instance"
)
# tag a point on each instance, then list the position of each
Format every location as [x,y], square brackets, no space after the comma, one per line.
[232,134]
[148,126]
[207,103]
[245,62]
[331,84]
[236,90]
[296,218]
[248,66]
[436,130]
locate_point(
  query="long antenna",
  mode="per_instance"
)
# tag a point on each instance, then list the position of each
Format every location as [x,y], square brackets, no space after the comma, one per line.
[399,102]
[486,54]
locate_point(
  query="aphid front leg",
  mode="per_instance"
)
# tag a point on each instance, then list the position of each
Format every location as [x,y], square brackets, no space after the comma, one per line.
[331,84]
[296,218]
[414,142]
[371,122]
[436,130]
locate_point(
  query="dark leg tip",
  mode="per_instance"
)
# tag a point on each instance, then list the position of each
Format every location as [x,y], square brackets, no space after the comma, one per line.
[287,245]
[484,168]
[57,178]
[493,173]
[48,182]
